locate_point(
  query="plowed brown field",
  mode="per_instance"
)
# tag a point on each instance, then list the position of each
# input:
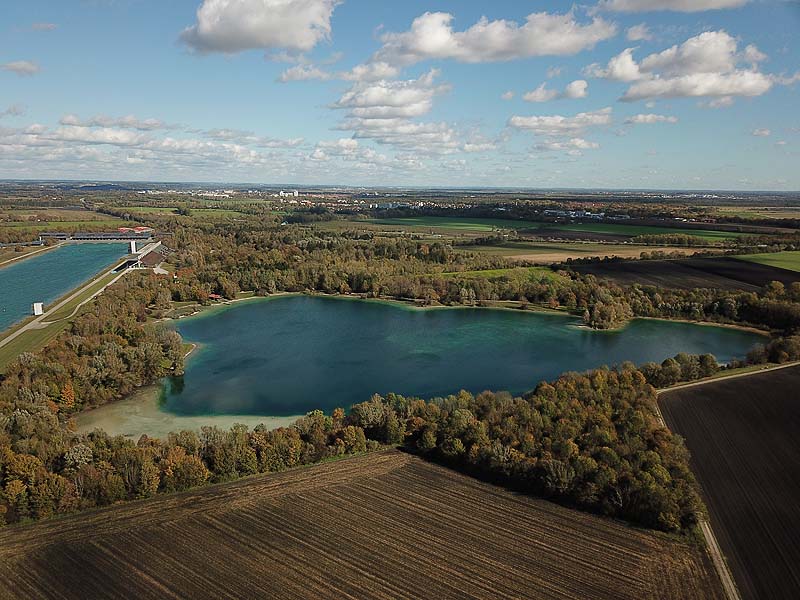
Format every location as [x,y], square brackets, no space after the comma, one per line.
[385,525]
[743,436]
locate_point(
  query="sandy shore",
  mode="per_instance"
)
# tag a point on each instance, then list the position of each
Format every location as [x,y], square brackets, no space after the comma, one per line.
[140,414]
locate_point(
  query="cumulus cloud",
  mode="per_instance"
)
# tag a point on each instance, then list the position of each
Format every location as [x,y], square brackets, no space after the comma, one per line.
[708,64]
[432,37]
[638,33]
[622,67]
[559,125]
[761,132]
[44,26]
[392,99]
[650,118]
[384,110]
[231,26]
[673,5]
[576,89]
[126,122]
[23,68]
[508,95]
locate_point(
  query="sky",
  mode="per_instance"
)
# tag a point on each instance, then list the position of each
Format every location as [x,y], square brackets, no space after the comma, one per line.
[640,94]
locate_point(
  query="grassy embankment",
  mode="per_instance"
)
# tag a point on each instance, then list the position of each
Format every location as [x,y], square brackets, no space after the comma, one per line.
[37,338]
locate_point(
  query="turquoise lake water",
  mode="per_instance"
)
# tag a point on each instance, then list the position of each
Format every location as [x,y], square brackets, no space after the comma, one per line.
[286,356]
[49,275]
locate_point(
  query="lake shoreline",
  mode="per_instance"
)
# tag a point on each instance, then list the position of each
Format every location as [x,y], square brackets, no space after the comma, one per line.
[140,414]
[148,411]
[413,304]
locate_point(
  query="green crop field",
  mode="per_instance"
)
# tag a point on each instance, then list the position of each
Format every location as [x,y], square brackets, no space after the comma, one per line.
[634,230]
[455,223]
[781,260]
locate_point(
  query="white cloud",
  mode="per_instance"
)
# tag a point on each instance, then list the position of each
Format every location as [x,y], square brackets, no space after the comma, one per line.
[304,73]
[704,65]
[622,67]
[231,26]
[373,71]
[709,52]
[44,26]
[650,118]
[540,94]
[432,37]
[392,99]
[761,132]
[737,83]
[558,125]
[248,138]
[572,146]
[674,5]
[638,33]
[383,111]
[508,95]
[576,89]
[126,122]
[23,68]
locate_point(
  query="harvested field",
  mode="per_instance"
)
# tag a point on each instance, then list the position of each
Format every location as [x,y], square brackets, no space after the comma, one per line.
[385,525]
[742,434]
[725,273]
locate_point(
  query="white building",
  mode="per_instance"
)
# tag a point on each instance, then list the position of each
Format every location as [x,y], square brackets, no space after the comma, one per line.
[38,309]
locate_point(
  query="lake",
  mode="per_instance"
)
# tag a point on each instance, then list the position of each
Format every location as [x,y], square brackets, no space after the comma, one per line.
[49,275]
[289,355]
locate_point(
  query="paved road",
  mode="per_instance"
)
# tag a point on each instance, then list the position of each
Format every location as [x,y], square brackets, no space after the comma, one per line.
[41,321]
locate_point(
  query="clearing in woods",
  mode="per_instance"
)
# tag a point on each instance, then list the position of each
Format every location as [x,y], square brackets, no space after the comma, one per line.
[384,525]
[742,434]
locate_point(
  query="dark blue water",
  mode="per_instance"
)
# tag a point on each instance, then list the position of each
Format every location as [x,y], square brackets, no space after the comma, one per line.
[289,355]
[49,275]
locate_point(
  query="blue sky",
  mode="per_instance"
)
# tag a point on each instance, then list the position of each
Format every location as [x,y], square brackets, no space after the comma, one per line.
[697,94]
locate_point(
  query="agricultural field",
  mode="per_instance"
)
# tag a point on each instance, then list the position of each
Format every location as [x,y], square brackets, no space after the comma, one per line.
[616,230]
[385,525]
[761,212]
[53,219]
[546,253]
[742,433]
[534,273]
[780,260]
[725,273]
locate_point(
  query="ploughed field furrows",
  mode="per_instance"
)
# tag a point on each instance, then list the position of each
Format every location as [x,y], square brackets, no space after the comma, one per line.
[744,436]
[688,273]
[385,526]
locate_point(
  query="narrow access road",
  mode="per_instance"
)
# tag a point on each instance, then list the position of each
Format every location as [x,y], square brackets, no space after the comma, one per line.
[41,321]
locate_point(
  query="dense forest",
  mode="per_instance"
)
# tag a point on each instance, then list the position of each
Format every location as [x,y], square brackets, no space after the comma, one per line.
[587,440]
